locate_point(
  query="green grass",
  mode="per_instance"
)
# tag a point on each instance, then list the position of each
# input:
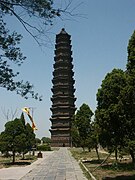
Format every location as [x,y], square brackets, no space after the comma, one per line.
[7,161]
[109,168]
[78,154]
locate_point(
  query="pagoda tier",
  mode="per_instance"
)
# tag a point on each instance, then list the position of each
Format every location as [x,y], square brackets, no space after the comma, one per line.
[63,99]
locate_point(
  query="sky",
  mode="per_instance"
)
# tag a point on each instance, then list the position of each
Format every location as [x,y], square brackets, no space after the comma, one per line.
[99,38]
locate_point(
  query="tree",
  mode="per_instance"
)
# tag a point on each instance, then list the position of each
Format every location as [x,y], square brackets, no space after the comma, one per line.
[128,100]
[30,13]
[9,113]
[46,140]
[131,55]
[109,111]
[38,141]
[128,105]
[11,53]
[30,137]
[75,133]
[82,122]
[93,138]
[115,112]
[17,137]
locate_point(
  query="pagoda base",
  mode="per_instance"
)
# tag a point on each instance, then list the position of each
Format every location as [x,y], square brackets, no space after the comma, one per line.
[60,141]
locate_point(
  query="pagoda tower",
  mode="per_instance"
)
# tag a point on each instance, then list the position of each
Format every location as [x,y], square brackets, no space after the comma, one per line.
[63,99]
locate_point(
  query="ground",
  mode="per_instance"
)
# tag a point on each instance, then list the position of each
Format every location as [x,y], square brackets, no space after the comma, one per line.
[7,161]
[122,170]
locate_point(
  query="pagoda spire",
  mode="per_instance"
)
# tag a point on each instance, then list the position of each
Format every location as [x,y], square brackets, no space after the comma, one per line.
[63,99]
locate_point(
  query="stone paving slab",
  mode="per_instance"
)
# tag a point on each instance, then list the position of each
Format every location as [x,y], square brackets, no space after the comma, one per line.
[15,173]
[55,165]
[59,166]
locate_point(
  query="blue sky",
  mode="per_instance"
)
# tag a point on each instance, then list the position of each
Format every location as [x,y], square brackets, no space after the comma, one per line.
[99,44]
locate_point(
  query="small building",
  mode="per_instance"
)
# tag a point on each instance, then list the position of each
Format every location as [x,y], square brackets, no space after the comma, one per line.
[63,99]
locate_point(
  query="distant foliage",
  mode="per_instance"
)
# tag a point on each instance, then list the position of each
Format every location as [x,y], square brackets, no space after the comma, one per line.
[38,141]
[43,147]
[46,140]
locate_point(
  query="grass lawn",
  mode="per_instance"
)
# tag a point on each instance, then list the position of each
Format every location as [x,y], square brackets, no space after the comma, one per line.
[6,162]
[109,169]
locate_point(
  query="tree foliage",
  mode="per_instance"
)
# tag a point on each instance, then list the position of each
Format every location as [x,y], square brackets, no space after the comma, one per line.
[128,99]
[17,137]
[115,112]
[46,140]
[81,124]
[131,55]
[38,141]
[108,110]
[93,138]
[75,133]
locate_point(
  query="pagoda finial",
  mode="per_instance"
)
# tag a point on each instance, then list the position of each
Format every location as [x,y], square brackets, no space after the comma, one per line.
[63,31]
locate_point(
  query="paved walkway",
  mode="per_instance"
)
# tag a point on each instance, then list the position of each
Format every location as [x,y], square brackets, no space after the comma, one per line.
[56,165]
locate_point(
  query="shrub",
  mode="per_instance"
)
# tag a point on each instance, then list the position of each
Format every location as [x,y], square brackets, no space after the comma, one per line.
[43,147]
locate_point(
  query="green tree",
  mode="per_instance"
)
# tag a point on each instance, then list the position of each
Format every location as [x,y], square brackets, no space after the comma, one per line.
[29,134]
[27,12]
[82,123]
[131,55]
[128,100]
[17,137]
[75,133]
[46,140]
[128,105]
[93,138]
[38,141]
[14,131]
[109,110]
[115,112]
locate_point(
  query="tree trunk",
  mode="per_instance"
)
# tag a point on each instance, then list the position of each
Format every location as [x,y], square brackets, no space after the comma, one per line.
[13,156]
[116,154]
[133,157]
[97,152]
[23,155]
